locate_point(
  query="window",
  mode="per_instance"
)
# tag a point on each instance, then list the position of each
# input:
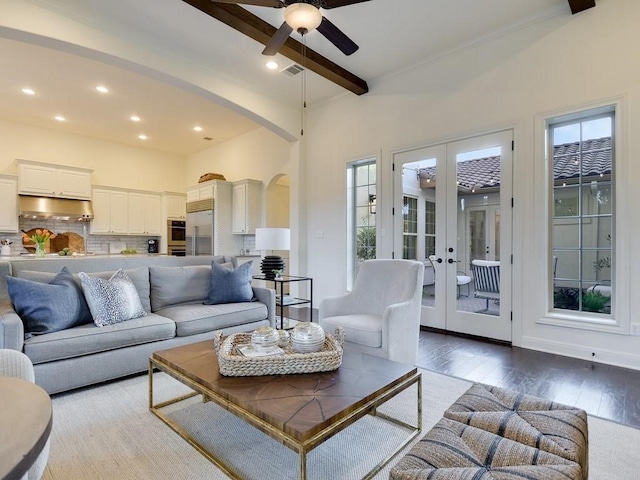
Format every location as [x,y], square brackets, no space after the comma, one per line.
[583,213]
[410,230]
[429,228]
[364,206]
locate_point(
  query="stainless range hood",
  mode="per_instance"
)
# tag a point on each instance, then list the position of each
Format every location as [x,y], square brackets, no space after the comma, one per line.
[55,208]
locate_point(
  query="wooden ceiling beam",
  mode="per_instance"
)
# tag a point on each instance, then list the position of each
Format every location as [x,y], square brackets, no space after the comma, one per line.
[254,27]
[578,6]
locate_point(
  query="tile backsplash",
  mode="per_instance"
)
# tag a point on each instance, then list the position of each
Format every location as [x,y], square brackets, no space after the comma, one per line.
[94,243]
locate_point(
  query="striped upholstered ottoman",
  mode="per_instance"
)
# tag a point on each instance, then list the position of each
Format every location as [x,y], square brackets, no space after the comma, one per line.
[493,433]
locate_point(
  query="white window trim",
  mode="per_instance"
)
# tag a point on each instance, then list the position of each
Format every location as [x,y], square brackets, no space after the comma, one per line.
[620,324]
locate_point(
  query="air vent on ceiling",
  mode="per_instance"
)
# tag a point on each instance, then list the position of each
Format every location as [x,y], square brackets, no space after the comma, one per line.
[292,69]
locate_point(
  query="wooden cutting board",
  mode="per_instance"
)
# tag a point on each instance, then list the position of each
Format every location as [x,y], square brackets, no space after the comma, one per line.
[67,240]
[76,242]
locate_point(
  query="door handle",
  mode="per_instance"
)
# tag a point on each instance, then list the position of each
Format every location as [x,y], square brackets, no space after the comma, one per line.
[450,260]
[439,260]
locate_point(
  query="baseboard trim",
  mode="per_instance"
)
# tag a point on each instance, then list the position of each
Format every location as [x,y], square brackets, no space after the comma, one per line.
[597,355]
[465,335]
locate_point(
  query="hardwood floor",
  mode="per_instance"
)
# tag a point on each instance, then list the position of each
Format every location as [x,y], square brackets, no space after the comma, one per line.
[606,391]
[603,390]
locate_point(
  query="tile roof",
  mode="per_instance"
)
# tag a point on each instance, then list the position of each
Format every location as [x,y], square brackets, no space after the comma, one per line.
[485,172]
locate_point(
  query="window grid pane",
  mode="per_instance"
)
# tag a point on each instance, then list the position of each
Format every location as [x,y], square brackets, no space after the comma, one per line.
[364,190]
[583,221]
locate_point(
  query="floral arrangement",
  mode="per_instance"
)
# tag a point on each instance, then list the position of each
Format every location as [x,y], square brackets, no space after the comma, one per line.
[41,236]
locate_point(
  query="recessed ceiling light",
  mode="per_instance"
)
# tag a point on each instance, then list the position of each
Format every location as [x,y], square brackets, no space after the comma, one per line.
[197,128]
[60,118]
[271,65]
[28,91]
[142,136]
[102,89]
[134,118]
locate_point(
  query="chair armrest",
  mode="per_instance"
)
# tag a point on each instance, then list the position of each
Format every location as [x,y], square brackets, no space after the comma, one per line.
[337,305]
[400,331]
[11,328]
[268,297]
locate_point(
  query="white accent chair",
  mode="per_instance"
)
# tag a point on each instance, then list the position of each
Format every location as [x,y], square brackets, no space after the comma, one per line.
[16,364]
[381,315]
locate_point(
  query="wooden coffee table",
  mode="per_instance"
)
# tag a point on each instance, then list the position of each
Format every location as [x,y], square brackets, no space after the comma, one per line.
[300,410]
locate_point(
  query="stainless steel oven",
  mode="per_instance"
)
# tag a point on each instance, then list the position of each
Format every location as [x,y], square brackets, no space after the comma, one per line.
[176,232]
[176,251]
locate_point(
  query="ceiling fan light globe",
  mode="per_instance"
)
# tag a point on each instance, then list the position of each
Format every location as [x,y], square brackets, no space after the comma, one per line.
[302,16]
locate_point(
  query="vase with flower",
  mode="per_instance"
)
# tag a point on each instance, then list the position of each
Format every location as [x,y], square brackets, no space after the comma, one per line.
[39,238]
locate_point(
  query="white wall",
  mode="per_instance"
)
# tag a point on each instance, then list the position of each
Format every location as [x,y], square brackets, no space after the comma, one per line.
[561,63]
[113,164]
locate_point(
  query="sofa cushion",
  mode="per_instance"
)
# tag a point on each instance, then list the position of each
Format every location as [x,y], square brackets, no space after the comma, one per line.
[49,307]
[88,339]
[363,329]
[178,285]
[229,285]
[138,275]
[111,301]
[198,318]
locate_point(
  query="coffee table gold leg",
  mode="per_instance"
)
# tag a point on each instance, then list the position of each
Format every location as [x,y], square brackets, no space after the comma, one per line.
[303,465]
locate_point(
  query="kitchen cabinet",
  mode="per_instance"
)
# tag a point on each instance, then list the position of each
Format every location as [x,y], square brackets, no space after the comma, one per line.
[144,214]
[247,205]
[35,178]
[111,211]
[9,202]
[205,190]
[175,205]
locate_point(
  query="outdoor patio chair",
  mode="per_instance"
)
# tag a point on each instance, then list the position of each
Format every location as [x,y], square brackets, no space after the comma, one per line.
[486,281]
[381,315]
[462,278]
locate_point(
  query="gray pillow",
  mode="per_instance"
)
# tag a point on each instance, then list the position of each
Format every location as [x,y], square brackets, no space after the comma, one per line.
[178,285]
[229,285]
[49,307]
[111,301]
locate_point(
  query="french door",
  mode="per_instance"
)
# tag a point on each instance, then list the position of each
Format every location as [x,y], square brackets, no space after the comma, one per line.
[467,184]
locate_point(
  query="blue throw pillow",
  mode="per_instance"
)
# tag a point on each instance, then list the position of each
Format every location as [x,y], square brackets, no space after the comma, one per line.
[49,307]
[229,285]
[111,301]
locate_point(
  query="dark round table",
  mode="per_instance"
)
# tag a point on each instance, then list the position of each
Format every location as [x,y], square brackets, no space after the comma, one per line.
[25,425]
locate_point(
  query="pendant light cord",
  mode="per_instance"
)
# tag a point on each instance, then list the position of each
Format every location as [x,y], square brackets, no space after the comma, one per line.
[304,83]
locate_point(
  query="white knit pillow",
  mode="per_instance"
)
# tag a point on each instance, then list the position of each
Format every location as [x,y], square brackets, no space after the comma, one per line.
[111,301]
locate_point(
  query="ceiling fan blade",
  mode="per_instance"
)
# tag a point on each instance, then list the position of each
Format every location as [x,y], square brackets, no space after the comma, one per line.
[278,39]
[327,4]
[259,3]
[337,37]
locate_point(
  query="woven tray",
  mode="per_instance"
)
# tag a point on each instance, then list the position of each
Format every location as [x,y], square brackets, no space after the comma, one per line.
[233,364]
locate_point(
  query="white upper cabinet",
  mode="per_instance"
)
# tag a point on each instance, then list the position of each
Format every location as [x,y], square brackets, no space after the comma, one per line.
[144,214]
[111,212]
[9,202]
[35,178]
[175,205]
[247,205]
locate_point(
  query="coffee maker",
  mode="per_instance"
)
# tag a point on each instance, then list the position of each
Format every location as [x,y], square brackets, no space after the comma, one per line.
[152,245]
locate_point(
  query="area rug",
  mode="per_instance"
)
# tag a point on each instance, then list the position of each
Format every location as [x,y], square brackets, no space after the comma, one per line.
[107,432]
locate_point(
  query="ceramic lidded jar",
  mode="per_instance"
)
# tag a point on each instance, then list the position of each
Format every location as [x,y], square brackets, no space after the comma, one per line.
[264,338]
[307,337]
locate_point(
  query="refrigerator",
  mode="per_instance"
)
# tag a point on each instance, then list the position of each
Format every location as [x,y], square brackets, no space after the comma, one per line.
[199,233]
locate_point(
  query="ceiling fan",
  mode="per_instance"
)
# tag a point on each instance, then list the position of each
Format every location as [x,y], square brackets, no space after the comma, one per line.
[303,17]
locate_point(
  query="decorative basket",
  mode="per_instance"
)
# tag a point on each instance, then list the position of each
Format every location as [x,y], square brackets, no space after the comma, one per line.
[233,364]
[211,176]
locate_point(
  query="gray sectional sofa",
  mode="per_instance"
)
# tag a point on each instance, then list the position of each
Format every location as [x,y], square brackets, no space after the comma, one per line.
[171,290]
